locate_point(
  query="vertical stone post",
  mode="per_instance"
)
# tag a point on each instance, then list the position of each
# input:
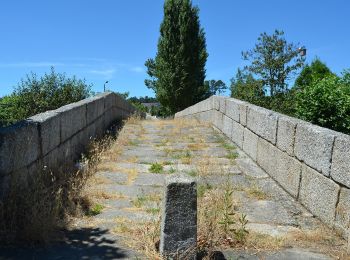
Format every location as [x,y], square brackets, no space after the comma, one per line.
[178,238]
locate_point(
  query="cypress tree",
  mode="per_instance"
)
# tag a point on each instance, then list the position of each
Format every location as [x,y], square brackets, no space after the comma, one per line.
[178,71]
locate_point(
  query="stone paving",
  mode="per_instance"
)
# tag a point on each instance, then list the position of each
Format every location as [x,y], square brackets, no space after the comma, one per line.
[130,194]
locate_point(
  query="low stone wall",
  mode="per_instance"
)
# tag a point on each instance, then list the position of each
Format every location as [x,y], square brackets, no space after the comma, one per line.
[55,139]
[310,162]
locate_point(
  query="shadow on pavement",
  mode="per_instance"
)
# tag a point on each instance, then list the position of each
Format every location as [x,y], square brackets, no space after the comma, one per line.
[84,243]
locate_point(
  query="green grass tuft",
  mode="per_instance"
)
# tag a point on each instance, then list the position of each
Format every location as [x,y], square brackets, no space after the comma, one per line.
[95,210]
[156,168]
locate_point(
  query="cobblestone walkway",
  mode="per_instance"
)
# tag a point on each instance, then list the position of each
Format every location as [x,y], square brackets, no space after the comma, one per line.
[129,186]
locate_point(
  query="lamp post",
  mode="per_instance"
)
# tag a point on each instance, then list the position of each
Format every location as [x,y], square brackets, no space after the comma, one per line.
[104,86]
[302,51]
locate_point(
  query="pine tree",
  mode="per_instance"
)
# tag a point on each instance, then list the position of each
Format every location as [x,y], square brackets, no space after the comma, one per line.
[178,70]
[316,71]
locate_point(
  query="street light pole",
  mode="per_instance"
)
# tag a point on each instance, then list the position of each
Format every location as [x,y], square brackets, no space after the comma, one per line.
[104,86]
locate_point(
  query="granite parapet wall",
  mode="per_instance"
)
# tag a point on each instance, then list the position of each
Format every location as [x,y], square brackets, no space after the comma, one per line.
[310,162]
[55,139]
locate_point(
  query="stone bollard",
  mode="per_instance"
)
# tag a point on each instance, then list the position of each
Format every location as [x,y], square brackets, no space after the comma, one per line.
[178,239]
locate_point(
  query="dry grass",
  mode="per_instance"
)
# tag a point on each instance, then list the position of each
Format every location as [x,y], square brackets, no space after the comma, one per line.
[149,231]
[326,241]
[256,193]
[197,146]
[33,214]
[264,242]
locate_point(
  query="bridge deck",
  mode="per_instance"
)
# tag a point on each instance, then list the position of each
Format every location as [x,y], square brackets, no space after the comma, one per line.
[279,227]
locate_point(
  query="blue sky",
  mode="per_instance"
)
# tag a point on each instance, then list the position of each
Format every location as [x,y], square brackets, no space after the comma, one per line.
[111,39]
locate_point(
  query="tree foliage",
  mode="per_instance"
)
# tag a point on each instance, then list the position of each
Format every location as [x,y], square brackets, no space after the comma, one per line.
[326,102]
[35,95]
[178,71]
[317,70]
[245,87]
[274,61]
[214,87]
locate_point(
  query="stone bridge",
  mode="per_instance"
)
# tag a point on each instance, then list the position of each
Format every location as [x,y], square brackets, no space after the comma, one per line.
[288,177]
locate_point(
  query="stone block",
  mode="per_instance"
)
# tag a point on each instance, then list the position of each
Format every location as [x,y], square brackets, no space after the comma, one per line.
[53,159]
[35,170]
[210,102]
[49,129]
[19,146]
[216,102]
[72,118]
[120,102]
[266,156]
[91,131]
[65,153]
[222,105]
[200,116]
[243,111]
[237,134]
[200,106]
[342,216]
[313,145]
[319,194]
[110,100]
[5,184]
[78,144]
[179,114]
[227,126]
[232,109]
[286,134]
[250,143]
[208,116]
[340,170]
[109,118]
[99,127]
[217,119]
[20,179]
[287,172]
[179,219]
[94,108]
[262,122]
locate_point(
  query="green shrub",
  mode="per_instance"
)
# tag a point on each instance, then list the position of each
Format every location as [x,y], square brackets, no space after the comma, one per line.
[326,103]
[35,95]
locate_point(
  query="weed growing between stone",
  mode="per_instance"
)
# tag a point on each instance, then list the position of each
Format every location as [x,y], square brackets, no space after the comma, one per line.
[156,168]
[220,225]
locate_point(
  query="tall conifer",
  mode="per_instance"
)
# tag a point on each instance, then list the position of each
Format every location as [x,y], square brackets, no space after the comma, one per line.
[178,71]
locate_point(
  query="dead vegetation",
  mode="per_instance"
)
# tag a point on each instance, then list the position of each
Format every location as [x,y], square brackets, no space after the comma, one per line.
[34,213]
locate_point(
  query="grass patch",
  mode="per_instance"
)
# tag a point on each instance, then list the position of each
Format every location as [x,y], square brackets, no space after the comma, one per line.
[256,193]
[192,173]
[203,188]
[153,211]
[167,163]
[156,168]
[264,242]
[140,201]
[228,146]
[232,155]
[172,170]
[133,143]
[197,146]
[95,210]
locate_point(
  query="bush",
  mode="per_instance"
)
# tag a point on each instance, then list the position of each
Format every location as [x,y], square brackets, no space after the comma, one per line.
[35,95]
[326,102]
